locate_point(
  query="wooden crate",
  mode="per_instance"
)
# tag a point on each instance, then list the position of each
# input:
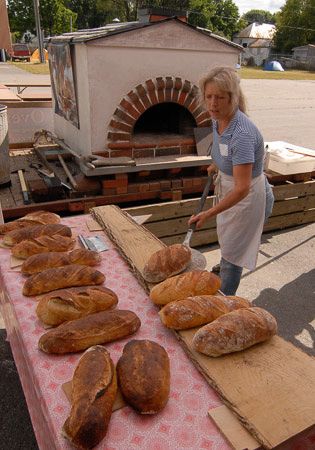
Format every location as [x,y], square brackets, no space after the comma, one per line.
[294,205]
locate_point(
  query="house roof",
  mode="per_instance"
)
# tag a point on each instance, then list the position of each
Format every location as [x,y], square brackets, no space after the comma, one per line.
[303,46]
[111,29]
[258,31]
[260,43]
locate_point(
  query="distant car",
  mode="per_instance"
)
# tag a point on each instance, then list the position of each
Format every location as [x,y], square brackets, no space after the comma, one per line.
[20,52]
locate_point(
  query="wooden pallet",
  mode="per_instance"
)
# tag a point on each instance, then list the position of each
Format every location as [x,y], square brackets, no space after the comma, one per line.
[294,205]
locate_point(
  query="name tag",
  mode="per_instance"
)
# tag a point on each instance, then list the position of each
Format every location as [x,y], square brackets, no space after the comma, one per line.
[224,149]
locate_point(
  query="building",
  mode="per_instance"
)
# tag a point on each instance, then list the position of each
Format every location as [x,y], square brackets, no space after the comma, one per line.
[305,54]
[256,40]
[116,84]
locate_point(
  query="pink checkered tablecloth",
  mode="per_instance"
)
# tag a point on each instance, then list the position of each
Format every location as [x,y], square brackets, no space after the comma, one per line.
[183,424]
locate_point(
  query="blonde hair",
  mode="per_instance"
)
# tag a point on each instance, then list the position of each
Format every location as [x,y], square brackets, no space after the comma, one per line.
[226,79]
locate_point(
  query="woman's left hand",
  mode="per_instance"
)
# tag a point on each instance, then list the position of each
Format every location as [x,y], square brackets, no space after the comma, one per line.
[199,219]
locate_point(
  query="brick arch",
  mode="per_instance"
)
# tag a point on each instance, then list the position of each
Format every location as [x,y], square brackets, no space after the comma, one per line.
[152,92]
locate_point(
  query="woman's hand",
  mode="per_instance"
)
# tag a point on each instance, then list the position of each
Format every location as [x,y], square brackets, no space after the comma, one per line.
[200,218]
[212,169]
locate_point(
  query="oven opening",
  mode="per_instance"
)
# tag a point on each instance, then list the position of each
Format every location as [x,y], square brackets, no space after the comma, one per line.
[169,119]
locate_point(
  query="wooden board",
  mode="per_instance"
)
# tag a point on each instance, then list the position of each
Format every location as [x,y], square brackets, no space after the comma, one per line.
[233,430]
[270,387]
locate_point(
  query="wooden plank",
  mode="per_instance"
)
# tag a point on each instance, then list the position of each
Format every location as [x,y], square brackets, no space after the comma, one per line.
[233,430]
[173,227]
[290,220]
[169,210]
[268,397]
[294,190]
[293,205]
[203,237]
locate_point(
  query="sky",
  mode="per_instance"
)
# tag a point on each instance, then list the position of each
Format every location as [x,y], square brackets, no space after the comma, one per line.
[267,5]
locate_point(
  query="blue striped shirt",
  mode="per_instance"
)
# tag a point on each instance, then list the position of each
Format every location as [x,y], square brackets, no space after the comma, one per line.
[240,143]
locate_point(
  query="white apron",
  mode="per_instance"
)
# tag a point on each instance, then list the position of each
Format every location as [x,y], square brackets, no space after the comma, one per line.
[240,227]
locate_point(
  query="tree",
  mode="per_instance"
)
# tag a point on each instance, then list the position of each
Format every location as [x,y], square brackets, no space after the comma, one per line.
[258,15]
[220,17]
[295,25]
[55,17]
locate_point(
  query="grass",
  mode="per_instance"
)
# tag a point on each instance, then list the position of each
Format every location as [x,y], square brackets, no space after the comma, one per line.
[245,72]
[258,72]
[36,68]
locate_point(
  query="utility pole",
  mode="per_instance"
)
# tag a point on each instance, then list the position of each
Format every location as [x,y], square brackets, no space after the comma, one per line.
[39,31]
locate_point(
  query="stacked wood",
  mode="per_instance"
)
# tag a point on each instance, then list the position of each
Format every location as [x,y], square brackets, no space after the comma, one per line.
[294,205]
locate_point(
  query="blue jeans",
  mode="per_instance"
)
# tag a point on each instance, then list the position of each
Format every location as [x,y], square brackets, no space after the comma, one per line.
[230,273]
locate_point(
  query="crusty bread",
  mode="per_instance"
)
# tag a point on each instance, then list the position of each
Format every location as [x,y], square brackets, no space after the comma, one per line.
[166,262]
[62,277]
[42,244]
[189,284]
[143,373]
[16,236]
[70,304]
[235,331]
[42,261]
[97,328]
[31,219]
[199,310]
[94,389]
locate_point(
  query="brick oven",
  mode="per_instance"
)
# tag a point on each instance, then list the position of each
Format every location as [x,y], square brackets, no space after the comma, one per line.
[130,89]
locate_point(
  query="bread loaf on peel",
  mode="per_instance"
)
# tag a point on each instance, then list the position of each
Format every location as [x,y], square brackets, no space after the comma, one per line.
[143,373]
[70,304]
[31,219]
[188,284]
[42,244]
[235,331]
[166,262]
[48,260]
[16,236]
[62,277]
[94,389]
[97,328]
[199,310]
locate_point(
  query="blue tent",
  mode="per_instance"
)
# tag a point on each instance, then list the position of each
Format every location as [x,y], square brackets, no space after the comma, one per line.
[274,66]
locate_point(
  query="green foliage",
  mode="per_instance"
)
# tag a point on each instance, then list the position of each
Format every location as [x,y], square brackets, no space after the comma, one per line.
[55,17]
[258,15]
[295,25]
[220,17]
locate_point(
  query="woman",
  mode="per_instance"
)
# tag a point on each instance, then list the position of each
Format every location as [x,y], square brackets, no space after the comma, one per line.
[238,155]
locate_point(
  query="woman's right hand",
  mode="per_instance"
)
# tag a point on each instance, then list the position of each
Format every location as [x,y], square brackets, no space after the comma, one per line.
[212,169]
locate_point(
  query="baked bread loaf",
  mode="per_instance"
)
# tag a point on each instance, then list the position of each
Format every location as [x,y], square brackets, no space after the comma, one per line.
[199,310]
[94,389]
[42,261]
[143,373]
[74,303]
[31,219]
[189,284]
[62,277]
[42,244]
[97,328]
[235,331]
[33,232]
[166,262]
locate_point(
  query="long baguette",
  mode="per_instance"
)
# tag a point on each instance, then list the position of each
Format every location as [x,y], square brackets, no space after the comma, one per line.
[16,236]
[94,389]
[62,277]
[98,328]
[199,310]
[42,244]
[235,331]
[31,219]
[198,282]
[70,304]
[48,260]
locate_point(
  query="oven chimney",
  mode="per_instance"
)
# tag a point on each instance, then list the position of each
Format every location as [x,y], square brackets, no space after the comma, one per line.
[154,14]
